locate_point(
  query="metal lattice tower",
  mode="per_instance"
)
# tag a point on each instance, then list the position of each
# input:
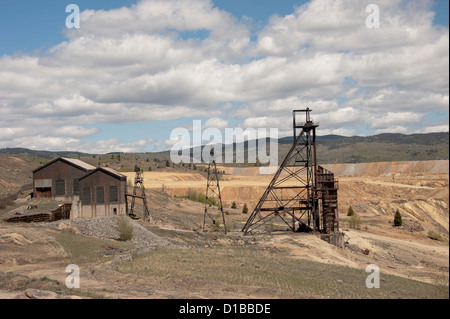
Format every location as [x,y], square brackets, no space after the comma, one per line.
[291,197]
[213,191]
[138,192]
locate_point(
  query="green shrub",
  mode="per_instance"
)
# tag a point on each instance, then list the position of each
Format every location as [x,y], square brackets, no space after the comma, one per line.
[397,219]
[355,222]
[233,205]
[216,227]
[245,209]
[124,227]
[350,211]
[201,198]
[435,236]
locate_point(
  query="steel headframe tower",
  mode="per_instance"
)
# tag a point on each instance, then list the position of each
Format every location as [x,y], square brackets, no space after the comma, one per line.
[291,197]
[138,192]
[213,191]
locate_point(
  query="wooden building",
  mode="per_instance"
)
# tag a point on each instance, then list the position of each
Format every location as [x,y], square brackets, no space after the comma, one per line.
[102,193]
[91,192]
[59,178]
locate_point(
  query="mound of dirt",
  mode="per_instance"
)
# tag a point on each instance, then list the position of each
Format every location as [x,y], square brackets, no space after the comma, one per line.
[106,227]
[364,169]
[14,238]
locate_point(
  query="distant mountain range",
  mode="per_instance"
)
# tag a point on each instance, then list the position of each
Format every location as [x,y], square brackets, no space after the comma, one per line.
[330,149]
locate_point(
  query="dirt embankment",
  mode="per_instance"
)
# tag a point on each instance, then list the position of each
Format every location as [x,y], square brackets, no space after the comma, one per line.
[383,169]
[14,174]
[418,189]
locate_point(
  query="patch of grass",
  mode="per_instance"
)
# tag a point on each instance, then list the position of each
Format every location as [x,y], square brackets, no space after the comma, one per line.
[195,196]
[435,236]
[275,271]
[49,280]
[16,282]
[355,222]
[84,249]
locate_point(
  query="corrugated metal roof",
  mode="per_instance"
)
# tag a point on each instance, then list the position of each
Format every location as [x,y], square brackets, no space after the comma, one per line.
[70,161]
[108,171]
[113,171]
[79,163]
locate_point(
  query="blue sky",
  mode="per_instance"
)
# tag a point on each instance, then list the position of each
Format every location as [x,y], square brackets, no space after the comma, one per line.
[277,69]
[27,25]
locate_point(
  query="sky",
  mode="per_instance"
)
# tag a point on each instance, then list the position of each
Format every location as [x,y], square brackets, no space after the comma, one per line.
[137,69]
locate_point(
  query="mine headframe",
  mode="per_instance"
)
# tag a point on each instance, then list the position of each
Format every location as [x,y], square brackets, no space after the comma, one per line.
[291,199]
[211,219]
[138,193]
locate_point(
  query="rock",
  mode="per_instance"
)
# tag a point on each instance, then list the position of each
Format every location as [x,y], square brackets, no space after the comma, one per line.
[106,227]
[43,294]
[40,294]
[15,238]
[340,281]
[120,258]
[70,228]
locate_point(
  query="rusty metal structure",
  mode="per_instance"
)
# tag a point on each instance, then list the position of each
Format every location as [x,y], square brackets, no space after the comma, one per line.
[300,191]
[327,188]
[139,193]
[213,192]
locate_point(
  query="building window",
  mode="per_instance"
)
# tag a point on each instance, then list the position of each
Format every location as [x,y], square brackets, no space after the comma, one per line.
[60,187]
[86,198]
[100,195]
[113,194]
[76,187]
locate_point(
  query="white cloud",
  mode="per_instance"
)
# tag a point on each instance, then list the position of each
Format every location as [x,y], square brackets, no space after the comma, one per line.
[339,131]
[216,122]
[137,64]
[392,118]
[76,131]
[435,129]
[393,129]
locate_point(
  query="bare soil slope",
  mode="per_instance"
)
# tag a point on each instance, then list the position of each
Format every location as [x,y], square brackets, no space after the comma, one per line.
[181,261]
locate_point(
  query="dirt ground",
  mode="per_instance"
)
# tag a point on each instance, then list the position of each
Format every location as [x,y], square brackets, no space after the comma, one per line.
[277,265]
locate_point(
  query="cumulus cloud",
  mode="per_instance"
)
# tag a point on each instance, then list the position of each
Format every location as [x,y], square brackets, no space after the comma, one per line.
[434,129]
[147,63]
[216,122]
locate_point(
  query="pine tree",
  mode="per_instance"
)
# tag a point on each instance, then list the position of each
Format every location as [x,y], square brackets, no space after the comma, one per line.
[397,218]
[245,209]
[350,211]
[233,205]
